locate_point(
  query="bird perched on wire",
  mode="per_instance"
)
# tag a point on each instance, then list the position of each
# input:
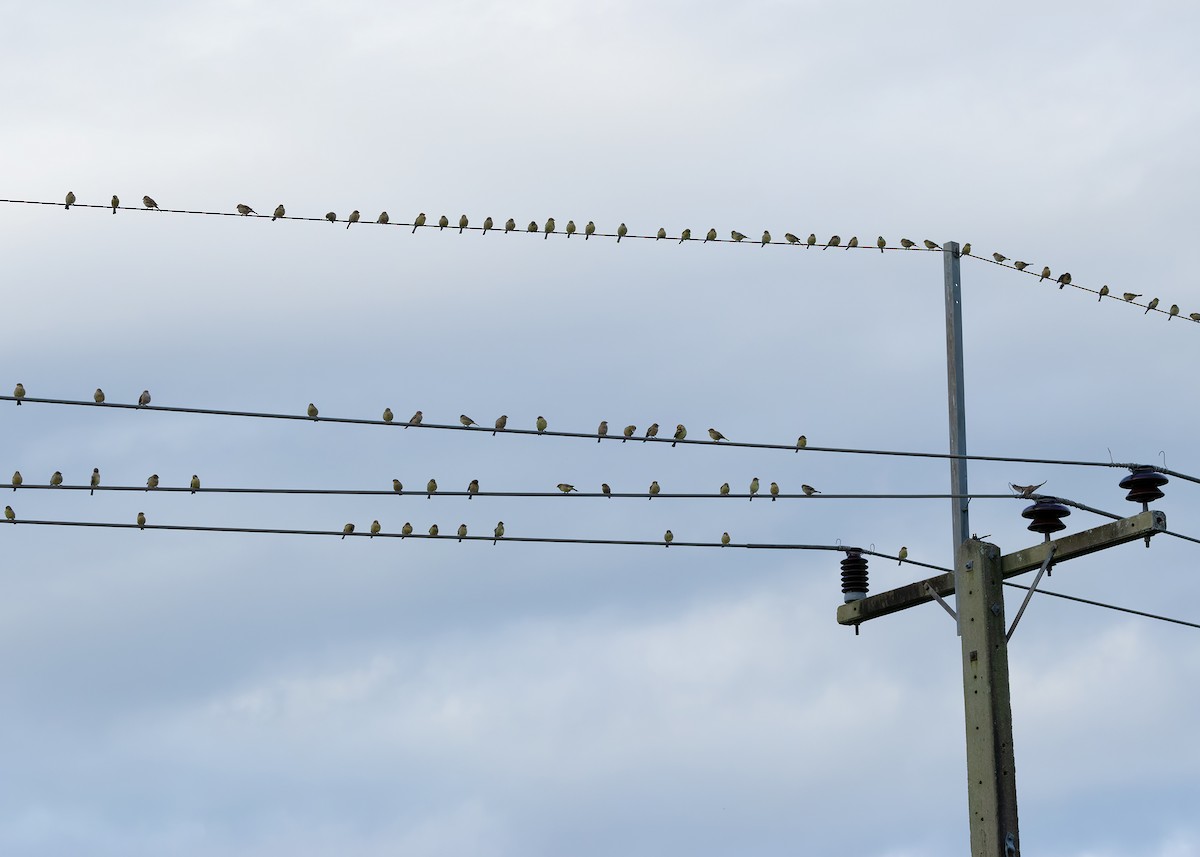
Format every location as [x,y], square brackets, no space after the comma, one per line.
[433,530]
[312,410]
[724,489]
[98,396]
[1194,316]
[570,228]
[790,238]
[347,530]
[17,479]
[903,555]
[406,530]
[774,491]
[589,230]
[383,218]
[724,539]
[753,488]
[668,537]
[443,222]
[880,243]
[1129,296]
[661,233]
[605,490]
[195,483]
[95,480]
[685,235]
[419,221]
[1103,293]
[465,420]
[56,478]
[462,224]
[10,515]
[353,218]
[541,424]
[1153,303]
[906,244]
[834,241]
[801,442]
[509,225]
[1020,266]
[1025,491]
[149,203]
[388,416]
[1063,280]
[501,422]
[852,243]
[628,432]
[737,236]
[1000,257]
[652,431]
[116,203]
[152,482]
[144,399]
[532,227]
[473,488]
[566,488]
[244,209]
[141,520]
[680,434]
[622,231]
[375,528]
[809,490]
[1045,273]
[966,249]
[929,245]
[1174,311]
[812,239]
[279,212]
[601,430]
[487,224]
[430,488]
[397,486]
[711,235]
[654,489]
[19,392]
[462,532]
[716,435]
[498,533]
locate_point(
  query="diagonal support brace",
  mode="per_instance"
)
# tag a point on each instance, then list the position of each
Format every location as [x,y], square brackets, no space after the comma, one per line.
[940,600]
[1045,567]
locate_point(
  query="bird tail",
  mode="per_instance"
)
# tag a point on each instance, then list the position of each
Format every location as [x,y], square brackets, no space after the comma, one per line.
[414,225]
[347,224]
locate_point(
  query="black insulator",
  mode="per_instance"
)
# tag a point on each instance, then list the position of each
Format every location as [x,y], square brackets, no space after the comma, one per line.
[1144,485]
[1046,517]
[854,576]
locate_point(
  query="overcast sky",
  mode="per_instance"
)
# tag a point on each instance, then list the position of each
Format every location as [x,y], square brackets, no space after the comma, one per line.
[196,693]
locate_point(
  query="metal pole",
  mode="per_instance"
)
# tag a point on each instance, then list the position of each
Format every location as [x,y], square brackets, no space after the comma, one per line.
[957,401]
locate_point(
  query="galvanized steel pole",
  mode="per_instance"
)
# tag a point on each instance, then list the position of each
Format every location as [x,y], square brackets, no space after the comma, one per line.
[957,401]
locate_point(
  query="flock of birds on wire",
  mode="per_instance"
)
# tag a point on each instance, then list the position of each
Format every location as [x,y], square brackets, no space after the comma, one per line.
[589,230]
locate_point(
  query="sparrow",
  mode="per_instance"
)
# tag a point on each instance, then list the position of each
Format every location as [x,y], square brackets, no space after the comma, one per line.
[462,532]
[1020,266]
[737,236]
[9,514]
[244,209]
[801,442]
[433,531]
[430,488]
[809,490]
[353,218]
[383,218]
[149,203]
[790,238]
[17,479]
[541,424]
[589,230]
[753,487]
[1129,296]
[680,433]
[602,430]
[929,245]
[1174,311]
[1153,303]
[903,555]
[724,489]
[812,239]
[716,435]
[652,431]
[566,488]
[654,489]
[1045,273]
[509,225]
[774,491]
[1103,293]
[906,244]
[95,479]
[279,212]
[375,528]
[415,419]
[662,233]
[1025,490]
[628,432]
[834,241]
[56,478]
[473,488]
[498,533]
[685,235]
[347,530]
[622,231]
[332,217]
[853,242]
[668,537]
[98,396]
[387,415]
[397,486]
[141,520]
[116,203]
[1000,257]
[966,249]
[1063,280]
[312,410]
[419,221]
[711,235]
[462,224]
[880,243]
[487,224]
[724,539]
[501,422]
[465,420]
[195,484]
[605,490]
[570,228]
[152,482]
[144,399]
[443,222]
[406,530]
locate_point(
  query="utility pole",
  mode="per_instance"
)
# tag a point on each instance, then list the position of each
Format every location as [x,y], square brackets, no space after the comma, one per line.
[956,397]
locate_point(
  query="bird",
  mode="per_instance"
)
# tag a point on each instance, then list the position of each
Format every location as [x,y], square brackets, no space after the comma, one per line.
[1153,303]
[465,420]
[774,491]
[753,488]
[430,488]
[1194,316]
[443,222]
[1020,266]
[419,221]
[812,239]
[487,224]
[966,249]
[652,431]
[116,203]
[383,217]
[1045,273]
[387,415]
[809,490]
[685,235]
[880,243]
[724,539]
[332,217]
[56,478]
[903,555]
[1025,490]
[144,399]
[605,490]
[790,238]
[70,200]
[415,419]
[906,244]
[1103,292]
[668,537]
[717,436]
[1129,296]
[473,488]
[570,228]
[1000,257]
[680,433]
[1063,280]
[95,479]
[532,227]
[567,488]
[737,236]
[541,424]
[662,233]
[375,528]
[589,230]
[279,212]
[801,442]
[406,530]
[1174,311]
[19,392]
[152,482]
[397,486]
[98,396]
[601,430]
[312,410]
[149,203]
[654,489]
[244,209]
[501,422]
[622,231]
[353,218]
[141,520]
[628,432]
[766,238]
[724,489]
[462,224]
[498,533]
[509,225]
[853,242]
[834,241]
[347,530]
[929,245]
[433,531]
[10,515]
[710,236]
[17,479]
[195,485]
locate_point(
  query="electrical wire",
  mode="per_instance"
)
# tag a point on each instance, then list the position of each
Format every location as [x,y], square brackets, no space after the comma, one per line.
[1106,606]
[617,438]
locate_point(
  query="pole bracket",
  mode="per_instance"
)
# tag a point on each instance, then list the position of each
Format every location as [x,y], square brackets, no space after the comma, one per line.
[940,600]
[1044,569]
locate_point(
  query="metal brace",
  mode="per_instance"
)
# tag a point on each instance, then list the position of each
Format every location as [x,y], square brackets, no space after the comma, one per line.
[940,600]
[1045,567]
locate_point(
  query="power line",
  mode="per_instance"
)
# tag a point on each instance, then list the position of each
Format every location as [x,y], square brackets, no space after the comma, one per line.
[1106,606]
[610,438]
